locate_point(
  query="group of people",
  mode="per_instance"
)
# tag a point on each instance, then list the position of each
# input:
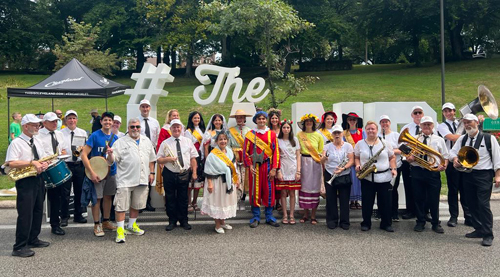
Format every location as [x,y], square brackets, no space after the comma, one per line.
[351,164]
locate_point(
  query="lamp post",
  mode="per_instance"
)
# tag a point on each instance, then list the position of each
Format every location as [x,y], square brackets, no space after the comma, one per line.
[443,100]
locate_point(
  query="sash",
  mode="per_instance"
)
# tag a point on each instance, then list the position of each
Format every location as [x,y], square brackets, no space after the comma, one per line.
[217,152]
[348,137]
[327,134]
[237,136]
[196,135]
[310,148]
[260,143]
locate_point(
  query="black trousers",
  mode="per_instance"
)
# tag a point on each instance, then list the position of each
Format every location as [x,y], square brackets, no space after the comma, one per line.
[77,181]
[410,202]
[455,186]
[343,192]
[477,188]
[395,195]
[426,190]
[29,205]
[176,200]
[55,197]
[368,191]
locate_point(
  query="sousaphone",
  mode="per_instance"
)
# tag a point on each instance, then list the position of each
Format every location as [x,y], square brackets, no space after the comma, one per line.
[485,102]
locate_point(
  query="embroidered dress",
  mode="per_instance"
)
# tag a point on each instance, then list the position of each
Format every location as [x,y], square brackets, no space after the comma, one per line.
[288,168]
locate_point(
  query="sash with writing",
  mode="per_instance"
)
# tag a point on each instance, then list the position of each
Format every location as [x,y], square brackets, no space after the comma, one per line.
[260,143]
[314,153]
[217,152]
[237,136]
[327,134]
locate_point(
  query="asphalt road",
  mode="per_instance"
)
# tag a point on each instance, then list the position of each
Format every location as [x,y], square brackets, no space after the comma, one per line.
[300,250]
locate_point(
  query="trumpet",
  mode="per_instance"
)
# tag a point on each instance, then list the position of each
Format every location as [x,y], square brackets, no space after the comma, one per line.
[468,157]
[335,175]
[419,150]
[170,153]
[77,151]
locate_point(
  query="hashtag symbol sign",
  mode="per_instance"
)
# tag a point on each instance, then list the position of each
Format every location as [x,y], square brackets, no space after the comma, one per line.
[149,83]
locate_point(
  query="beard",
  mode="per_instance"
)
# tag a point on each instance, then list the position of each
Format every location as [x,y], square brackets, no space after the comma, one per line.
[134,135]
[471,131]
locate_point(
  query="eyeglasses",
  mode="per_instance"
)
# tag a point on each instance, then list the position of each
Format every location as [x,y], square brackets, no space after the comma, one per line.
[415,113]
[135,126]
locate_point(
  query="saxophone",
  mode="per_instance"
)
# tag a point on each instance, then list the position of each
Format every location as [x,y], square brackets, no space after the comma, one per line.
[29,171]
[370,166]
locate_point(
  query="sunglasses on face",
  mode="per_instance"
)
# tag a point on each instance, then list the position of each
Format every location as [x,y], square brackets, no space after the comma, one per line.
[135,126]
[415,113]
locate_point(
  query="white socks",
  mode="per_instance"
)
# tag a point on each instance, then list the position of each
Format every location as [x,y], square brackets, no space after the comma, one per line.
[131,222]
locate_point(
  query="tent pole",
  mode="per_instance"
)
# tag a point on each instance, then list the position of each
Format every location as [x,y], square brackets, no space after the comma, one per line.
[106,102]
[8,118]
[52,104]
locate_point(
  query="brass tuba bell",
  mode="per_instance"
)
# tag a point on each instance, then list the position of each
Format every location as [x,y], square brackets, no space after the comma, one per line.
[484,102]
[468,157]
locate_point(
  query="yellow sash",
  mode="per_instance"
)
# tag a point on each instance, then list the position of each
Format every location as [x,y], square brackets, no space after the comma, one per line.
[217,152]
[261,144]
[237,136]
[327,134]
[348,137]
[197,135]
[310,148]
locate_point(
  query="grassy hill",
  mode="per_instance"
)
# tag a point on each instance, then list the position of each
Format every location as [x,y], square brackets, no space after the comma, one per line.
[363,83]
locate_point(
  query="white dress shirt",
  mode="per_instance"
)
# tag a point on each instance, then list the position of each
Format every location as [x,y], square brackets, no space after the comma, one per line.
[154,128]
[444,131]
[132,161]
[187,148]
[484,162]
[46,138]
[435,142]
[336,156]
[20,149]
[392,138]
[67,139]
[412,127]
[362,150]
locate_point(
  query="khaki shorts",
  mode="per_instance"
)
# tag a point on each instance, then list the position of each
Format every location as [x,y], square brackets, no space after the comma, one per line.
[106,187]
[133,197]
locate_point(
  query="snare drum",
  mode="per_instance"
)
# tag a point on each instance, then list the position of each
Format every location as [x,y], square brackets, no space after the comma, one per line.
[56,174]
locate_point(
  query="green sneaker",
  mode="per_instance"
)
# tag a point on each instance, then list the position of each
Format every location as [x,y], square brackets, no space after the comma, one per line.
[120,235]
[135,230]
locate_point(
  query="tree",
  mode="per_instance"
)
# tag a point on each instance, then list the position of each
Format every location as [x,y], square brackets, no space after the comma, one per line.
[80,44]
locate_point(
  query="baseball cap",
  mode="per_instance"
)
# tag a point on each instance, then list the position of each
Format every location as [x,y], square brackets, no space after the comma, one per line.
[50,116]
[382,117]
[470,116]
[416,108]
[337,128]
[145,101]
[426,119]
[70,112]
[175,121]
[30,118]
[118,118]
[448,106]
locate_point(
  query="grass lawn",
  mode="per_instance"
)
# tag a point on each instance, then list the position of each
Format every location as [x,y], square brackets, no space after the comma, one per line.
[396,82]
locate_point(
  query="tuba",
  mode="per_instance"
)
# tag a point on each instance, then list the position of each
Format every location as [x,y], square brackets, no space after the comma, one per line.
[485,102]
[468,157]
[416,148]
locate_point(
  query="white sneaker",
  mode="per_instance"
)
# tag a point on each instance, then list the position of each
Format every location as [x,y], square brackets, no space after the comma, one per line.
[227,227]
[220,230]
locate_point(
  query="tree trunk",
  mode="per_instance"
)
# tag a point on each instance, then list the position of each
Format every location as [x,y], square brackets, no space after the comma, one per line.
[341,52]
[456,41]
[140,58]
[226,51]
[416,49]
[166,56]
[173,56]
[158,56]
[189,61]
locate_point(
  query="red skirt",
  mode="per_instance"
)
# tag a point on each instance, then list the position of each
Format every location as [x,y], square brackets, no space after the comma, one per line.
[291,185]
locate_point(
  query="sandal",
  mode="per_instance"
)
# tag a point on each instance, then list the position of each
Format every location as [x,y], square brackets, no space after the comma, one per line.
[284,220]
[304,219]
[358,206]
[352,206]
[190,209]
[292,221]
[195,207]
[314,221]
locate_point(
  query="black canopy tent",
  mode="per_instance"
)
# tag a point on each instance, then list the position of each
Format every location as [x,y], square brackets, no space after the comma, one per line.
[74,80]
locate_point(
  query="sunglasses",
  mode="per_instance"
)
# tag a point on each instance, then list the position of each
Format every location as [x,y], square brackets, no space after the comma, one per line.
[415,113]
[135,126]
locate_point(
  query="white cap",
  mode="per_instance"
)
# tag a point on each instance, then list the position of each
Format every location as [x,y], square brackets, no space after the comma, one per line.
[426,119]
[117,118]
[175,121]
[337,128]
[416,108]
[382,117]
[470,116]
[145,101]
[30,118]
[448,106]
[50,116]
[71,112]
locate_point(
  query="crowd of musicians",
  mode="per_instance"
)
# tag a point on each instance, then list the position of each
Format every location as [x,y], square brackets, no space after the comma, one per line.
[350,165]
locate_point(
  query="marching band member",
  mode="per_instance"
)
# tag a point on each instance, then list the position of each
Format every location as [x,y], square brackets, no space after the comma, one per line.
[478,183]
[115,129]
[353,132]
[180,168]
[194,131]
[261,157]
[74,164]
[26,150]
[414,128]
[135,158]
[427,184]
[216,124]
[219,197]
[328,120]
[338,158]
[447,130]
[53,143]
[99,144]
[289,173]
[165,131]
[392,138]
[311,147]
[374,151]
[236,135]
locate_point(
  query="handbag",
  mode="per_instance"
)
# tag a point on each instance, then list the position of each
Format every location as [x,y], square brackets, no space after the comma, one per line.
[344,180]
[185,176]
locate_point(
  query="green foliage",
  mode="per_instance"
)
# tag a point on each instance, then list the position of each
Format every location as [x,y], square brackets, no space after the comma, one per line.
[80,44]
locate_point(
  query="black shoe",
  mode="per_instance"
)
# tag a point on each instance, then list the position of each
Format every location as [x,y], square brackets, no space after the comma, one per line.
[388,229]
[254,224]
[428,217]
[345,227]
[468,222]
[243,197]
[365,228]
[170,227]
[419,228]
[408,216]
[331,225]
[186,226]
[149,208]
[474,235]
[39,244]
[487,241]
[273,223]
[452,222]
[58,231]
[438,229]
[64,222]
[23,252]
[80,220]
